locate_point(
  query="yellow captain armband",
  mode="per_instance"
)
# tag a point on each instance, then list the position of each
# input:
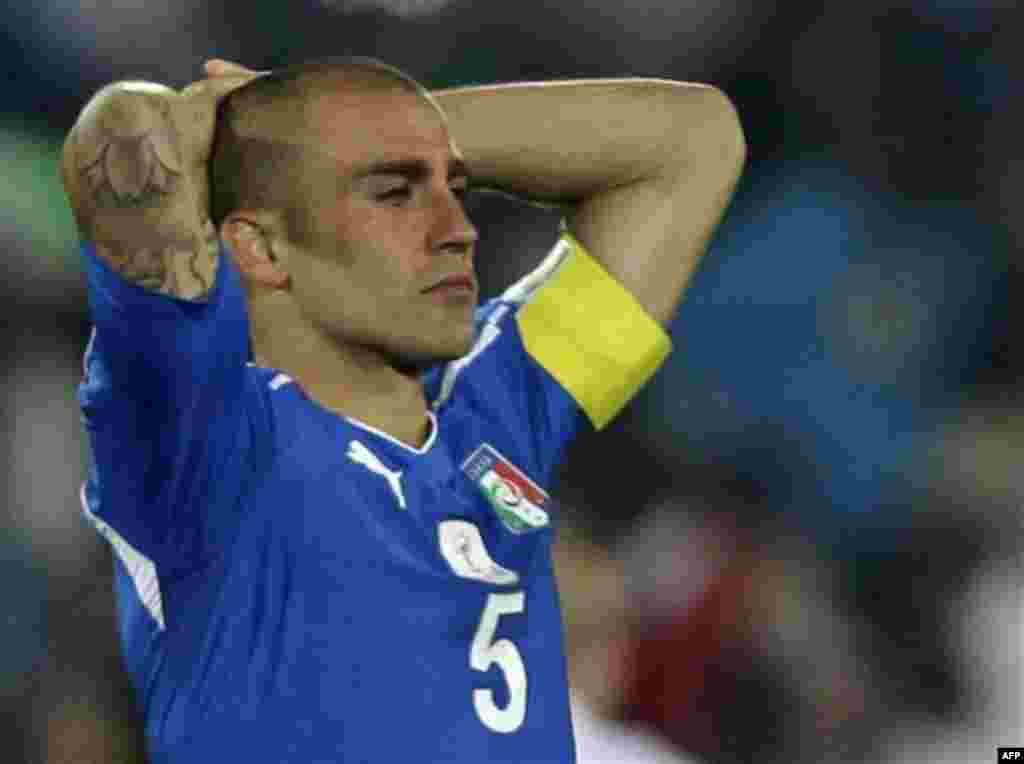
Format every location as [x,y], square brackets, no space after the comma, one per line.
[591,334]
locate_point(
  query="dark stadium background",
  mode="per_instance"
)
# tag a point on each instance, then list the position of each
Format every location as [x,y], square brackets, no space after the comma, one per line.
[802,542]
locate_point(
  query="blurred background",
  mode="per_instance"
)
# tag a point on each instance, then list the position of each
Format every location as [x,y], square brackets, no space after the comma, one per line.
[802,541]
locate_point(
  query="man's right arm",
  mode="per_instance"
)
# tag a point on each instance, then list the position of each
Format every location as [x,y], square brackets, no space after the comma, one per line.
[163,391]
[134,172]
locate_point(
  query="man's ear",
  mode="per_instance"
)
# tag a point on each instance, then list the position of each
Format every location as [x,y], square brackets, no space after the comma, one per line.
[252,238]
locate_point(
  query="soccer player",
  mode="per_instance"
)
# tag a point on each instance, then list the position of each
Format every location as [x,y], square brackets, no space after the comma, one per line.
[322,467]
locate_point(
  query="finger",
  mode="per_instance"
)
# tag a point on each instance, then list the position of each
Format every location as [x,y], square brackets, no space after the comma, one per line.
[216,87]
[218,67]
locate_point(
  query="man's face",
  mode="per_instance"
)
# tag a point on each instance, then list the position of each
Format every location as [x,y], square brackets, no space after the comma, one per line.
[389,264]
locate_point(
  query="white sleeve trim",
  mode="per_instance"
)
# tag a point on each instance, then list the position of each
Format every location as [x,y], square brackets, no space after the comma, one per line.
[521,291]
[141,569]
[517,294]
[88,352]
[490,332]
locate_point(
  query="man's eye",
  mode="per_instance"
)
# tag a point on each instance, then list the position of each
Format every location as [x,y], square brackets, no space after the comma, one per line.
[460,192]
[397,194]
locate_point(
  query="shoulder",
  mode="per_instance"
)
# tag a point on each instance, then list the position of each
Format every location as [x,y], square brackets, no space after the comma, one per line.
[495,320]
[571,319]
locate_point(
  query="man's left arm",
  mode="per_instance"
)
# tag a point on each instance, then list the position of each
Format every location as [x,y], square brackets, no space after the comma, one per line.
[645,166]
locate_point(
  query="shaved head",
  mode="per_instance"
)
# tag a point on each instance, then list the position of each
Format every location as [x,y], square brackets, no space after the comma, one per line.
[264,154]
[337,187]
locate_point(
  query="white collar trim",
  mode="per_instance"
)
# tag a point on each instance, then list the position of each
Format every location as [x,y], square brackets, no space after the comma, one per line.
[381,434]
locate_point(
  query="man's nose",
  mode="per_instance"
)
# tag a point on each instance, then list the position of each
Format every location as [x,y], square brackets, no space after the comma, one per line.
[453,230]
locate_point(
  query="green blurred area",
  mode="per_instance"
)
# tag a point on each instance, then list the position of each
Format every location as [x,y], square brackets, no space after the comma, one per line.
[31,192]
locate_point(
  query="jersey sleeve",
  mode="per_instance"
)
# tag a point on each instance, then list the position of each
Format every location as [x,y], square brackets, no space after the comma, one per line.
[162,404]
[566,346]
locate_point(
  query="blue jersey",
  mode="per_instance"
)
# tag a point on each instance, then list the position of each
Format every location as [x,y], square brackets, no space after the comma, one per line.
[296,586]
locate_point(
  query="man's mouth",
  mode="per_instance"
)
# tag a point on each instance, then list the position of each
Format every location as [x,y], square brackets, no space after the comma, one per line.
[453,284]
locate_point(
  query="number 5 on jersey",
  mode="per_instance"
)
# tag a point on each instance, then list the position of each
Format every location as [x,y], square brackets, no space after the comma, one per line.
[484,652]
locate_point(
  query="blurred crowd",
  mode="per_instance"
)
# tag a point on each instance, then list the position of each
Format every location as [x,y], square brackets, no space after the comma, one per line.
[802,542]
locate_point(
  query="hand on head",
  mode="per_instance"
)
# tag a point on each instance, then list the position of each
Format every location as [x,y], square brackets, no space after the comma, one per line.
[197,109]
[218,67]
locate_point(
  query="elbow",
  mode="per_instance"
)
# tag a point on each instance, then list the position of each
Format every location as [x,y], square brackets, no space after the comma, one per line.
[707,131]
[719,138]
[732,138]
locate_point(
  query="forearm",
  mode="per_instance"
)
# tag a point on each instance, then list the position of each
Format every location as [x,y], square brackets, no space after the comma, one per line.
[646,166]
[571,140]
[135,195]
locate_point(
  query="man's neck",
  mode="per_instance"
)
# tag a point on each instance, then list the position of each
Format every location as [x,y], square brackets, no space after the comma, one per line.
[352,382]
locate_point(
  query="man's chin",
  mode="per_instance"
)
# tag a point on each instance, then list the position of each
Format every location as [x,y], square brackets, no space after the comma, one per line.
[454,347]
[447,355]
[435,356]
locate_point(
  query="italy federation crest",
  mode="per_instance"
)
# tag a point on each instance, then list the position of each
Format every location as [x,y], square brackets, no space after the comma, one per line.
[516,499]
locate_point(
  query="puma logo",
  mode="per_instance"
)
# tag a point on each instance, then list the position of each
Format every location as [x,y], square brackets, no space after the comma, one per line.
[360,454]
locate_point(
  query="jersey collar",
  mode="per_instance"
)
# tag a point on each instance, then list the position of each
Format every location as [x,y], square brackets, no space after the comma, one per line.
[421,451]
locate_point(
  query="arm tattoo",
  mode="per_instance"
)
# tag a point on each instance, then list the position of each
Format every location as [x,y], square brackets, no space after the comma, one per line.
[132,171]
[171,270]
[130,159]
[134,197]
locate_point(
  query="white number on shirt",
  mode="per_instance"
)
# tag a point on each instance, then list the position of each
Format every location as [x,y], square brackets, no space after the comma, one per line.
[484,652]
